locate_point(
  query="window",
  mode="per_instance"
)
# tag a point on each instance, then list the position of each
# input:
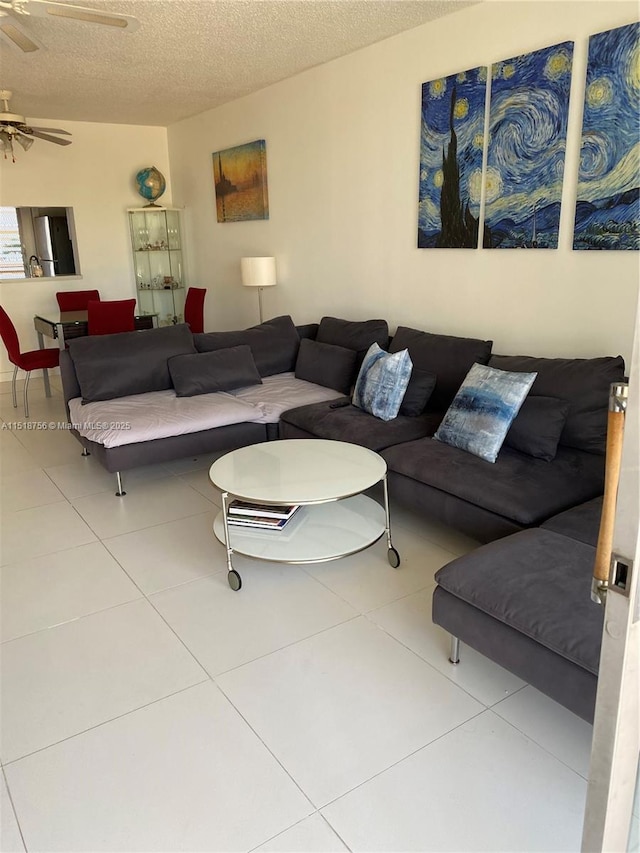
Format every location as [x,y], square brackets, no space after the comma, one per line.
[11,259]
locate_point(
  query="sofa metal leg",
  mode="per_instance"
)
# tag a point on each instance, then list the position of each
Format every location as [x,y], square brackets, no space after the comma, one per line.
[85,452]
[454,654]
[121,492]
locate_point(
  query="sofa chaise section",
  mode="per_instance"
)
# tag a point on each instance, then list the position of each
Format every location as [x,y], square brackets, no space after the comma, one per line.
[524,602]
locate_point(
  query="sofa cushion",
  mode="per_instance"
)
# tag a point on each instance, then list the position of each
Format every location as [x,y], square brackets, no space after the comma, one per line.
[354,425]
[450,358]
[537,427]
[220,370]
[110,366]
[274,344]
[353,334]
[381,382]
[281,392]
[307,330]
[326,364]
[581,523]
[419,390]
[537,582]
[518,487]
[583,382]
[482,411]
[157,415]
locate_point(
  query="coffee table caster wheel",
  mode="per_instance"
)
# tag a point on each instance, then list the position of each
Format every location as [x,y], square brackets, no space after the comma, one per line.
[234,579]
[393,557]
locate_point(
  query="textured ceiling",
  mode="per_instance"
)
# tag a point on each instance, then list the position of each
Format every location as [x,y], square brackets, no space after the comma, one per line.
[189,56]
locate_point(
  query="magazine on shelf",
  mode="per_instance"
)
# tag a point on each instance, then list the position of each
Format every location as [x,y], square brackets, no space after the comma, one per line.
[281,534]
[244,508]
[261,522]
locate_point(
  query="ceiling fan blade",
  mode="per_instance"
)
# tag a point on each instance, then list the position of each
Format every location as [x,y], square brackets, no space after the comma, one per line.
[49,138]
[46,8]
[48,130]
[16,36]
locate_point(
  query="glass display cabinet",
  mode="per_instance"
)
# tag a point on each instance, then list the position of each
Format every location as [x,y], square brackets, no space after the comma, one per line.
[157,261]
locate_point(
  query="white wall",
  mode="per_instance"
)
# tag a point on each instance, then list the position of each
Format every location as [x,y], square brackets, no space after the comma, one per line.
[343,162]
[95,176]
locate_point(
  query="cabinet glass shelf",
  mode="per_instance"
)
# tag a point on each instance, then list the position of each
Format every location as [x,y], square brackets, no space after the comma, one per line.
[156,244]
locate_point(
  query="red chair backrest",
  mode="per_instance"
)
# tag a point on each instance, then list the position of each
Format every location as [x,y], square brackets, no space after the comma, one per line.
[194,308]
[9,336]
[110,316]
[76,300]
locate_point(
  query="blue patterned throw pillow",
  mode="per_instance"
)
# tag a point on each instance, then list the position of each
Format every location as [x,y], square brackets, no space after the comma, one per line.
[382,381]
[482,411]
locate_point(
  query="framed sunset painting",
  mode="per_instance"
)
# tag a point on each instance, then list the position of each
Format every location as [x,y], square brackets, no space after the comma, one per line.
[240,180]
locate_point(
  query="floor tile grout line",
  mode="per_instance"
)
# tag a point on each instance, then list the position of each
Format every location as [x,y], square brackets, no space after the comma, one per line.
[104,722]
[435,668]
[286,646]
[269,750]
[403,758]
[529,736]
[72,620]
[297,823]
[534,741]
[106,539]
[13,808]
[137,529]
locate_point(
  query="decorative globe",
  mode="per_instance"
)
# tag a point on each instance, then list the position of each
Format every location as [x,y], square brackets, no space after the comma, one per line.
[151,184]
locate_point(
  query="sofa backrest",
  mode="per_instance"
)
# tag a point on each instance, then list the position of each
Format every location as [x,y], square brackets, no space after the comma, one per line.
[449,358]
[308,330]
[274,344]
[582,382]
[110,366]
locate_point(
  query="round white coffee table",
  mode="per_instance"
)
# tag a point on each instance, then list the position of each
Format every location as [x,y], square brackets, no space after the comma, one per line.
[326,478]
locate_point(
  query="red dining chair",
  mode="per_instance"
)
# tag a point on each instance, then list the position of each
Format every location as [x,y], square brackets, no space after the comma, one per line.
[76,300]
[105,317]
[194,308]
[37,359]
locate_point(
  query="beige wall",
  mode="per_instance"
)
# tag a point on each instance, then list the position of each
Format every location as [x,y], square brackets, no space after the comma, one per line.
[95,176]
[343,159]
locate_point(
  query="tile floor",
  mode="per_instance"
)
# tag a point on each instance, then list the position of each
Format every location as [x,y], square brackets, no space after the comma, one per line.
[146,706]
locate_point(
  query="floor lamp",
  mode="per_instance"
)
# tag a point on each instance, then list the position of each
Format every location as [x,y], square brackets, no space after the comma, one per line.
[258,272]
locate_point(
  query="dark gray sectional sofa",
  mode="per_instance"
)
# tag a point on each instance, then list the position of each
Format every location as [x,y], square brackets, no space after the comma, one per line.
[523,599]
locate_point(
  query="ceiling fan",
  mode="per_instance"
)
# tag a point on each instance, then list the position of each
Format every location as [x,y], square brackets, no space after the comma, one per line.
[14,128]
[14,13]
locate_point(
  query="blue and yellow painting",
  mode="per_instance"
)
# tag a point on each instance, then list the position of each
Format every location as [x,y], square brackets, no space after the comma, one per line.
[451,144]
[608,205]
[240,179]
[525,160]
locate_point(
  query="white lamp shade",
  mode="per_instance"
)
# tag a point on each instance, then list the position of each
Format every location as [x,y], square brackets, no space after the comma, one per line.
[258,272]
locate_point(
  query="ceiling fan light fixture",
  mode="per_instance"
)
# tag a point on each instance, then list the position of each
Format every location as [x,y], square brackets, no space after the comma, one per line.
[6,144]
[25,141]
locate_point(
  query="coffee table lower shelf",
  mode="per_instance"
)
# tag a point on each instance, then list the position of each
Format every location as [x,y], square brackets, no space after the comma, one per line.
[316,534]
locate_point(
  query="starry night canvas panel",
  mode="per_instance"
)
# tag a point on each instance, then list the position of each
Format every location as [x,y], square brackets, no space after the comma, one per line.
[608,205]
[528,118]
[451,144]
